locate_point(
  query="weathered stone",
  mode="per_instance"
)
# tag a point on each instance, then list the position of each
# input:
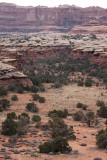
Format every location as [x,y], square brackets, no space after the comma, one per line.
[83,144]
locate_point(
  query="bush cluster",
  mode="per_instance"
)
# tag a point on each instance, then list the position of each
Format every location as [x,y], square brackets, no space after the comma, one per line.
[32,107]
[36,97]
[59,144]
[4,104]
[58,113]
[102,139]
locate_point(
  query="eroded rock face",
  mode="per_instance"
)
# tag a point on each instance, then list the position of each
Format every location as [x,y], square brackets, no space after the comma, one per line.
[63,18]
[9,74]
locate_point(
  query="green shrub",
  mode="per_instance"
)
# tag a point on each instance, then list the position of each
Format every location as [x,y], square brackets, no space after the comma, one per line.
[102,139]
[59,144]
[9,127]
[21,129]
[20,90]
[58,113]
[42,89]
[11,115]
[41,99]
[78,116]
[89,118]
[5,104]
[79,105]
[32,107]
[34,89]
[84,107]
[3,92]
[24,115]
[12,87]
[13,139]
[59,128]
[106,122]
[1,109]
[100,103]
[27,88]
[57,85]
[102,112]
[14,98]
[35,97]
[36,118]
[80,83]
[88,82]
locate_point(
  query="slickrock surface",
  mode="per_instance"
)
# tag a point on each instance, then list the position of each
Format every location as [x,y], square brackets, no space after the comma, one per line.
[48,45]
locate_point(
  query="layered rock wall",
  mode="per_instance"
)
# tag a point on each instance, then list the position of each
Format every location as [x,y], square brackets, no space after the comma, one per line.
[63,18]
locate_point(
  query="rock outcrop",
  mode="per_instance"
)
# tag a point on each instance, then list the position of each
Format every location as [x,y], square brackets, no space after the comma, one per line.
[91,27]
[62,18]
[9,73]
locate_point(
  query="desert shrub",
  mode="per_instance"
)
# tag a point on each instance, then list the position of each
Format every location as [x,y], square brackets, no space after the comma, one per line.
[102,112]
[32,107]
[78,116]
[36,118]
[59,128]
[102,139]
[59,144]
[13,139]
[79,105]
[12,87]
[14,98]
[41,99]
[1,109]
[88,82]
[5,104]
[106,122]
[58,113]
[3,92]
[42,89]
[24,115]
[9,127]
[35,97]
[34,89]
[56,85]
[84,107]
[11,115]
[89,118]
[20,90]
[100,103]
[80,83]
[21,128]
[27,87]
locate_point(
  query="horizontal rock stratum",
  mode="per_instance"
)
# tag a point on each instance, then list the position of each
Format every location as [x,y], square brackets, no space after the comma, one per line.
[62,18]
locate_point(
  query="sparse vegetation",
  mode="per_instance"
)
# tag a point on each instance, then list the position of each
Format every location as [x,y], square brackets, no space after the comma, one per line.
[14,98]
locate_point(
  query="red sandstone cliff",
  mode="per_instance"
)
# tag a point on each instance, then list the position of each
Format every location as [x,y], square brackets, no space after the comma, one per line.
[13,18]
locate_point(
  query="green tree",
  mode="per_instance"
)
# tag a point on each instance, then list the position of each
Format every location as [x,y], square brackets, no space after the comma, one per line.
[102,139]
[9,127]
